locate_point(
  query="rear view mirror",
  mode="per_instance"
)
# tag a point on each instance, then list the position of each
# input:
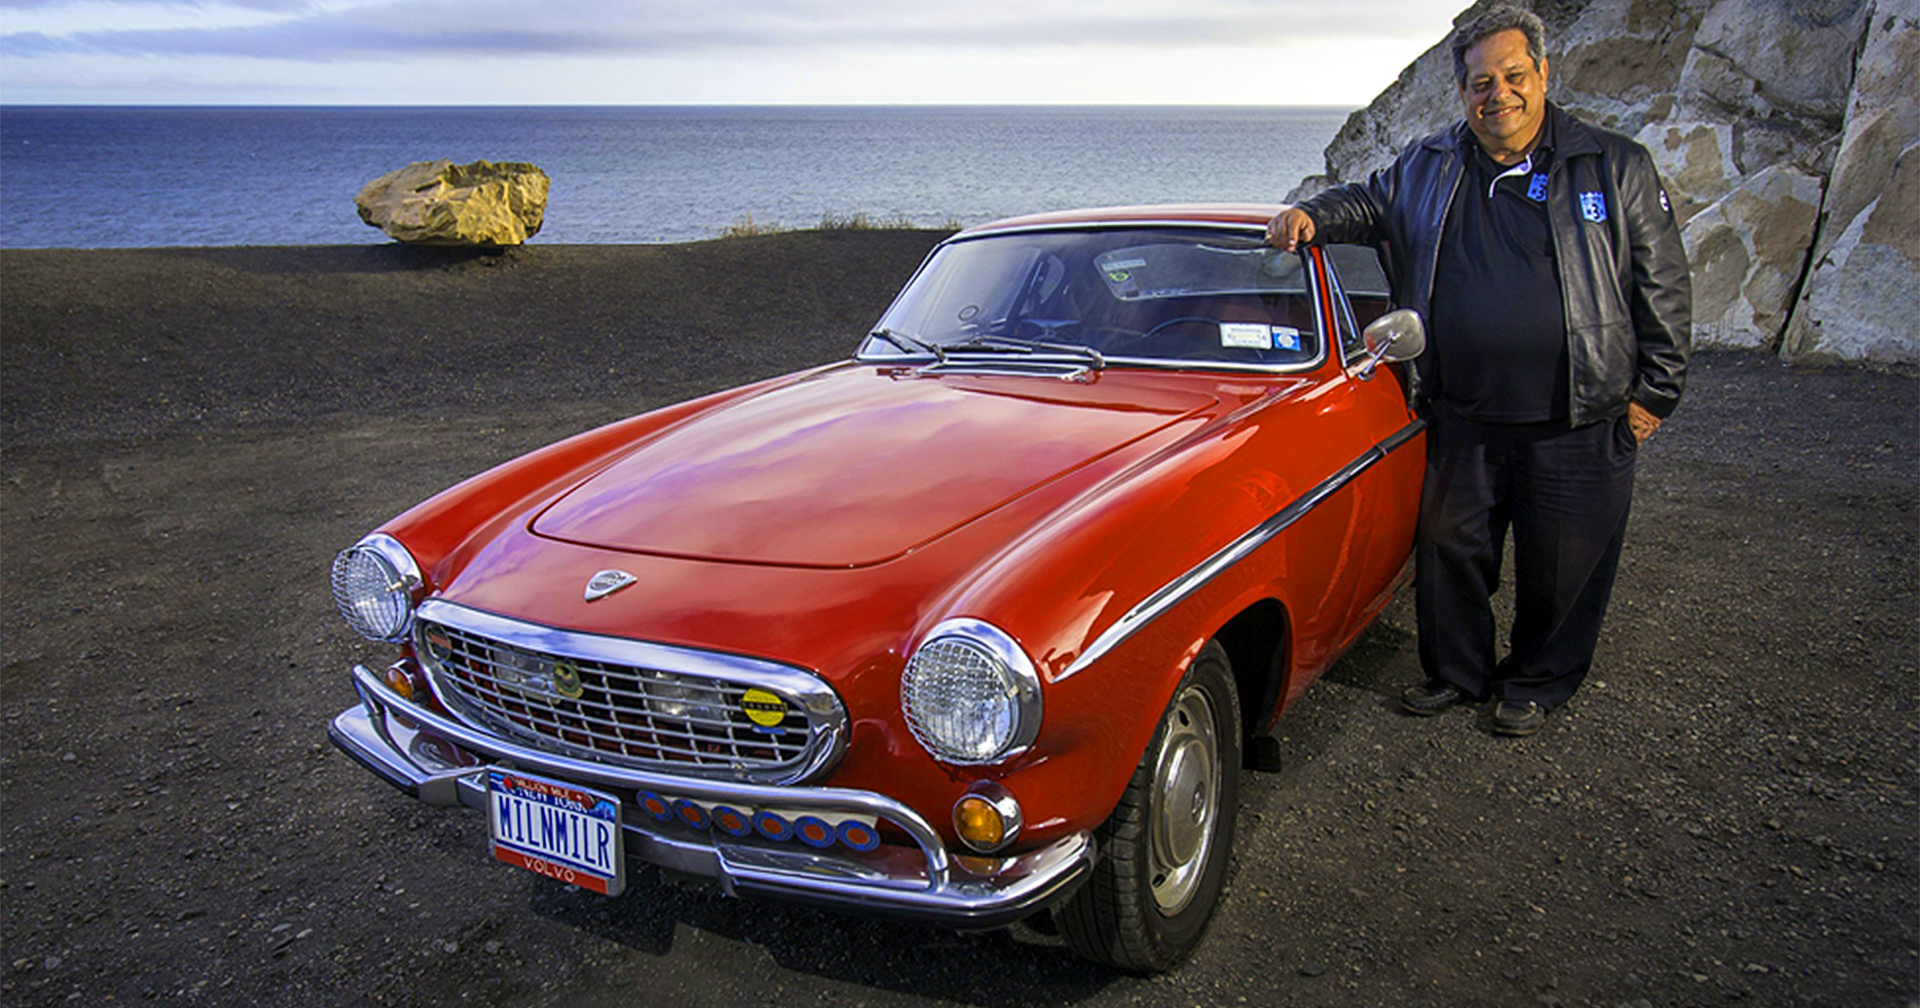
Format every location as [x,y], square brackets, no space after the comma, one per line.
[1394,337]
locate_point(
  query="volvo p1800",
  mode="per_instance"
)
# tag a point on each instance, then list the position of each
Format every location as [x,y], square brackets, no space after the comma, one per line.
[980,623]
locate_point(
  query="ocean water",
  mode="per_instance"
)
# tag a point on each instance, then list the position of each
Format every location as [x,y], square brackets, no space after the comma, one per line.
[141,176]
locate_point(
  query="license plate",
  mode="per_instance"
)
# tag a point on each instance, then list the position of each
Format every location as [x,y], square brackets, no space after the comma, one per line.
[557,829]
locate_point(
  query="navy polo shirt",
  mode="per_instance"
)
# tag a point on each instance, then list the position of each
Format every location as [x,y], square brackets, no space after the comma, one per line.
[1499,325]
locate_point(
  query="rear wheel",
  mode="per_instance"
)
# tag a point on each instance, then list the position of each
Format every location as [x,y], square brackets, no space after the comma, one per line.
[1164,851]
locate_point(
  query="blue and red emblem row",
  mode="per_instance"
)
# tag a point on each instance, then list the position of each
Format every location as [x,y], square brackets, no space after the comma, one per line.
[810,830]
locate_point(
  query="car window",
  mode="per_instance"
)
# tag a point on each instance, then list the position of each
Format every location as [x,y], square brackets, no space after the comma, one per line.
[1180,295]
[1365,292]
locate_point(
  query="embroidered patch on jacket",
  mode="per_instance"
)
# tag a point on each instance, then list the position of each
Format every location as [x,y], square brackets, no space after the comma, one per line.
[1593,207]
[1664,205]
[1537,192]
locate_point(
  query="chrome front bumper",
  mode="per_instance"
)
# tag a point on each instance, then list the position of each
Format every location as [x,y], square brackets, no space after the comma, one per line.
[928,886]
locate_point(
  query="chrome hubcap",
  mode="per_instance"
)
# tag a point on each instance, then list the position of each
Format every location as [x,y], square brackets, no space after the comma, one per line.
[1186,800]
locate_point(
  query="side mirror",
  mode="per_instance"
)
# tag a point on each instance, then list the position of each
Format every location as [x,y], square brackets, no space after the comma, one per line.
[1394,337]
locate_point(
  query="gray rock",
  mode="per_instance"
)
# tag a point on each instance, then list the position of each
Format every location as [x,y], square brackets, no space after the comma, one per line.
[1695,159]
[1777,73]
[1748,251]
[1859,296]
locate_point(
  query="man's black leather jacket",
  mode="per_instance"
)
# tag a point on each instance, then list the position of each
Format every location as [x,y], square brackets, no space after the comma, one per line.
[1623,271]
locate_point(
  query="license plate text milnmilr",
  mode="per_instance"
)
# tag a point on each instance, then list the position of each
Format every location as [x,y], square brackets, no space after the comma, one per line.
[556,829]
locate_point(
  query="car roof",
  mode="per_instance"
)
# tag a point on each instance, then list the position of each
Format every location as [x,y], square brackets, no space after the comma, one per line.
[1246,214]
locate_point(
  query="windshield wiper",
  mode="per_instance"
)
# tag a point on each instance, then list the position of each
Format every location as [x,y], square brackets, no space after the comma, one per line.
[989,342]
[911,344]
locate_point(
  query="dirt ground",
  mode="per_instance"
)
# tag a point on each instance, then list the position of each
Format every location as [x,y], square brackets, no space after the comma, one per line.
[1725,815]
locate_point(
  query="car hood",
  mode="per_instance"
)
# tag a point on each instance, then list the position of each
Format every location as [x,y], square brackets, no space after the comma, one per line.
[854,465]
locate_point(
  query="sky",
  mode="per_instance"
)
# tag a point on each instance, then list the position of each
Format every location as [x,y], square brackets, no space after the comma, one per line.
[674,52]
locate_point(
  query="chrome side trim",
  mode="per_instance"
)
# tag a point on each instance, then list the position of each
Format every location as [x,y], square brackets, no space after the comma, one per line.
[826,715]
[1186,584]
[929,888]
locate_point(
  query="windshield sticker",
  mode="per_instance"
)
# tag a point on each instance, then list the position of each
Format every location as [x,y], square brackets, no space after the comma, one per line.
[1119,271]
[1286,338]
[1247,335]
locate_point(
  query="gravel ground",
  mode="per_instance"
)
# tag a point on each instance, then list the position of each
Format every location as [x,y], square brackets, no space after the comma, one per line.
[1725,815]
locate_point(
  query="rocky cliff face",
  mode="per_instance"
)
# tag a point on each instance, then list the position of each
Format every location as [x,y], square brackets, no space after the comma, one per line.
[1788,132]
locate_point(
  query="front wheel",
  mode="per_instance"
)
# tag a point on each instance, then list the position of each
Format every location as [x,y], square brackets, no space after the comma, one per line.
[1164,851]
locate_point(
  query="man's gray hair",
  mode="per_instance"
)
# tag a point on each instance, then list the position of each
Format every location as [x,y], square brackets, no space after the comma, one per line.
[1493,21]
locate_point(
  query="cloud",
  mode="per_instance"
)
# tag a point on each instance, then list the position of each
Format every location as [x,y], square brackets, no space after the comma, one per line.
[257,5]
[313,32]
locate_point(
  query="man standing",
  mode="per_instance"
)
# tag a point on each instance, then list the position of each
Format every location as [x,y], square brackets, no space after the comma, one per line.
[1544,255]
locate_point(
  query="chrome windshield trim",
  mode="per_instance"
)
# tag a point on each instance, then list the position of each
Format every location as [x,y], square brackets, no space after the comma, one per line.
[1064,368]
[1186,584]
[1065,364]
[988,231]
[826,714]
[1316,270]
[1158,363]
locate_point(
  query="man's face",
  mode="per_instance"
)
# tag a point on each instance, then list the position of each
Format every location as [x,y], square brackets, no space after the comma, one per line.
[1505,95]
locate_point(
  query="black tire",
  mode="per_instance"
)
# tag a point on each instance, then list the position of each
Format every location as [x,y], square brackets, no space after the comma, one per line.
[1160,874]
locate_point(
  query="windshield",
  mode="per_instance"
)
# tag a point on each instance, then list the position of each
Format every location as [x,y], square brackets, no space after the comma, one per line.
[1145,294]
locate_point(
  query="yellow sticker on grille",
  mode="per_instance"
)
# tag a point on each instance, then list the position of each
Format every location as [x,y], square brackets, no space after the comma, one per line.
[566,680]
[763,708]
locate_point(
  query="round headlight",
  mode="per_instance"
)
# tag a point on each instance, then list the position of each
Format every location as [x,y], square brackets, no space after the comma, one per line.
[970,694]
[373,584]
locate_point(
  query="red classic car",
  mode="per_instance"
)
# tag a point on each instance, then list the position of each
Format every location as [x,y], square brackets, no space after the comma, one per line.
[977,624]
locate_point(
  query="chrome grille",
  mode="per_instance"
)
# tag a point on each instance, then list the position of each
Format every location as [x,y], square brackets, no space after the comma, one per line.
[614,711]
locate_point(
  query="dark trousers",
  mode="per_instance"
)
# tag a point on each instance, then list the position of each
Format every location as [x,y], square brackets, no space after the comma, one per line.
[1564,494]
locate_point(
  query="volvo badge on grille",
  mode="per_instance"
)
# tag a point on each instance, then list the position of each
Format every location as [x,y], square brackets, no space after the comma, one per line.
[607,582]
[566,680]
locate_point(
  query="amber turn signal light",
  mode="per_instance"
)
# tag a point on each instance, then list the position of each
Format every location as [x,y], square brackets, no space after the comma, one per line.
[978,823]
[987,817]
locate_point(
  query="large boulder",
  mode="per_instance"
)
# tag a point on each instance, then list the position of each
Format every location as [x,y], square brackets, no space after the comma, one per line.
[442,203]
[1777,72]
[1865,282]
[1748,251]
[1695,159]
